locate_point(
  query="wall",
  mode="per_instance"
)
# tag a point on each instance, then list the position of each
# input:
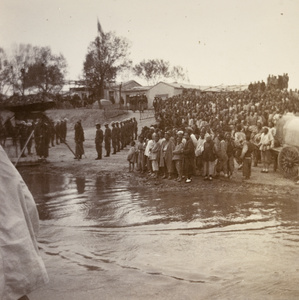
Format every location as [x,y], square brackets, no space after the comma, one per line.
[161,89]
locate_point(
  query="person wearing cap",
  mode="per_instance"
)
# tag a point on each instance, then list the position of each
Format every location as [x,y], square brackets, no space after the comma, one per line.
[154,154]
[41,138]
[135,128]
[122,135]
[118,136]
[58,132]
[266,143]
[63,129]
[209,158]
[167,147]
[99,140]
[79,139]
[189,154]
[114,138]
[107,140]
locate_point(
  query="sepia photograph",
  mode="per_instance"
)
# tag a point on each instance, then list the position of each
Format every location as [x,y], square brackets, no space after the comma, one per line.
[149,150]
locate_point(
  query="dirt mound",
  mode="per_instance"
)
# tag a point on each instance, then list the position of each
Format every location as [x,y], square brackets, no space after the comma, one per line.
[89,117]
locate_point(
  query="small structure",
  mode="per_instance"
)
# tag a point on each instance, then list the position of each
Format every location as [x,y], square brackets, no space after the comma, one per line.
[288,157]
[165,90]
[18,129]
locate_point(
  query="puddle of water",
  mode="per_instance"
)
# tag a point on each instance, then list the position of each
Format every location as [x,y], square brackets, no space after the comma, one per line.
[234,243]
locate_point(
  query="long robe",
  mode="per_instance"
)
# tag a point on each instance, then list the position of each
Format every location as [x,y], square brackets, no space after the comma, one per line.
[21,267]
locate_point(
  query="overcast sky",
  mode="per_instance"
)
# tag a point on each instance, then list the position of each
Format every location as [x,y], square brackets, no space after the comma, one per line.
[218,42]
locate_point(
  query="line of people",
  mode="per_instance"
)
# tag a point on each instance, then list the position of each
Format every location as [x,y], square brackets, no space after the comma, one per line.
[179,154]
[115,138]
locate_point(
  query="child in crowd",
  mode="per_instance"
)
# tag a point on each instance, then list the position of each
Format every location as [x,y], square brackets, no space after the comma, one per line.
[131,158]
[246,157]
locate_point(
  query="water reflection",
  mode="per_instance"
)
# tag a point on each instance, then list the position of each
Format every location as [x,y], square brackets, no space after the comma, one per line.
[106,202]
[80,181]
[104,225]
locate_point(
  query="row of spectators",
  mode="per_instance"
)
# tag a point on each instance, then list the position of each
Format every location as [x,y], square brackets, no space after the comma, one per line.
[209,133]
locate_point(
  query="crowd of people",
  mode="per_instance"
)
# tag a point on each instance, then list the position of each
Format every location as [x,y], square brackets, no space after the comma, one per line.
[209,134]
[212,134]
[43,132]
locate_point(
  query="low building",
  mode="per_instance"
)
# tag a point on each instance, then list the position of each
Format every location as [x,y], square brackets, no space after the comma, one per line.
[123,90]
[165,90]
[126,91]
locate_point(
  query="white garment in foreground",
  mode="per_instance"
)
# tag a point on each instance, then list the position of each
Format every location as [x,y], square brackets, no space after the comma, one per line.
[22,270]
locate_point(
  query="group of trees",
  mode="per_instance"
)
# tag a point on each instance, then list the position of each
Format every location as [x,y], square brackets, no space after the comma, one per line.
[107,57]
[37,69]
[33,69]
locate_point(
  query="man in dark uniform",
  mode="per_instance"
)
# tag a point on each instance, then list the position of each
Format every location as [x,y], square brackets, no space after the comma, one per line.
[58,132]
[107,140]
[114,137]
[42,138]
[126,133]
[118,136]
[131,126]
[122,136]
[99,141]
[51,132]
[79,139]
[63,129]
[135,128]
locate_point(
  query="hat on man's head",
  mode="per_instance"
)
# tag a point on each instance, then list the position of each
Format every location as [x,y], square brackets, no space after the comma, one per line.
[106,124]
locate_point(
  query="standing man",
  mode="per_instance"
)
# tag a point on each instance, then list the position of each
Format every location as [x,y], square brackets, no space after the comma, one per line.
[79,139]
[135,128]
[63,129]
[42,138]
[107,140]
[189,154]
[114,137]
[246,156]
[118,137]
[99,140]
[58,132]
[122,134]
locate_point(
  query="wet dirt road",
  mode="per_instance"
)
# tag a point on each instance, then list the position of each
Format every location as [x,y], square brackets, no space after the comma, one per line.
[104,239]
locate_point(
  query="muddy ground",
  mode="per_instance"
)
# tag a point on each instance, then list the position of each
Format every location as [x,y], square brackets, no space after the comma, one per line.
[61,161]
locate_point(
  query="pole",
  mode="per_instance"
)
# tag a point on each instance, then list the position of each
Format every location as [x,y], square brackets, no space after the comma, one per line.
[63,140]
[70,149]
[30,136]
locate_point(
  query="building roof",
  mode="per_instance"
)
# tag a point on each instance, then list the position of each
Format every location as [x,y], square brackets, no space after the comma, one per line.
[124,84]
[177,85]
[218,88]
[224,88]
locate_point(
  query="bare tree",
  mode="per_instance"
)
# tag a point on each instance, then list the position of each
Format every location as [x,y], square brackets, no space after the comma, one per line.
[154,70]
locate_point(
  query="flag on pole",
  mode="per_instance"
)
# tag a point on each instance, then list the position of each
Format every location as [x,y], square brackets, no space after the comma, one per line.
[100,30]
